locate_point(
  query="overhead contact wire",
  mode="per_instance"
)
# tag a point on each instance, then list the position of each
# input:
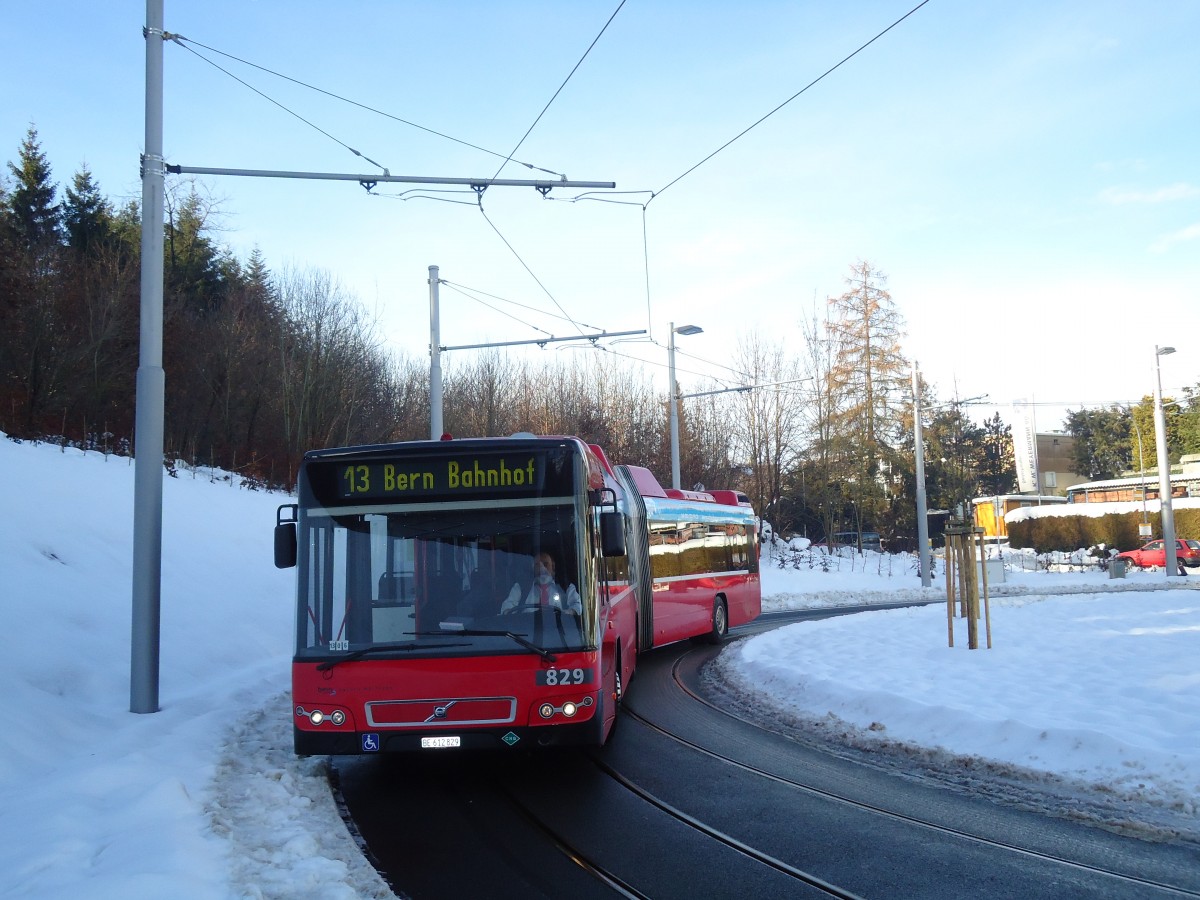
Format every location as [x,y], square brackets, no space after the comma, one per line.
[180,39]
[560,88]
[471,292]
[820,77]
[525,265]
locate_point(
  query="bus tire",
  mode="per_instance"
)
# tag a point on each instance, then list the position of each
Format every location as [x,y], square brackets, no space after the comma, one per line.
[720,622]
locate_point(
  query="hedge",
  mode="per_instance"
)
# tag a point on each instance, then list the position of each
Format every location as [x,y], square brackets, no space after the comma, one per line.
[1119,531]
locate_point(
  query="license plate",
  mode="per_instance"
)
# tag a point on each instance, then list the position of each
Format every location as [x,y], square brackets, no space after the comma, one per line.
[432,743]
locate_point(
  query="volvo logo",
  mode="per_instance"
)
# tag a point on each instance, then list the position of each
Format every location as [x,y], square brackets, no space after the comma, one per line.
[439,712]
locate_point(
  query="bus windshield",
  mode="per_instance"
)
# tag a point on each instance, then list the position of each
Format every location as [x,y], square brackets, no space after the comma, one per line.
[461,579]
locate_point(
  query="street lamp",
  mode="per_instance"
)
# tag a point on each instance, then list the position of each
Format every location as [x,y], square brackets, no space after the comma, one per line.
[1164,466]
[674,388]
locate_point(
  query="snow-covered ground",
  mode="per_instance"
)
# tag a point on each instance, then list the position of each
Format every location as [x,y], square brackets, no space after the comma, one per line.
[1088,692]
[1087,680]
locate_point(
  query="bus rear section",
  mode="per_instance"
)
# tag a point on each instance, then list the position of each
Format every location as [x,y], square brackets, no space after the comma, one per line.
[700,563]
[425,619]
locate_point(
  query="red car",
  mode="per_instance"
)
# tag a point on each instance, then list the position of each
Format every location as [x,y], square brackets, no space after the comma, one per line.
[1155,554]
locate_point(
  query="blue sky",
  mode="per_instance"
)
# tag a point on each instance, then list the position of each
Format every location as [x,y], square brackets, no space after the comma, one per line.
[1026,174]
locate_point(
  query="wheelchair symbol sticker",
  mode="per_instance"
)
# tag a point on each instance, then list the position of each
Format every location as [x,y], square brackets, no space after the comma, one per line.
[370,743]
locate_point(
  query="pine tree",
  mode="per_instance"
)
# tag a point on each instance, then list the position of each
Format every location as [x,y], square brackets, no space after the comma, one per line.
[30,318]
[87,217]
[998,469]
[193,269]
[33,217]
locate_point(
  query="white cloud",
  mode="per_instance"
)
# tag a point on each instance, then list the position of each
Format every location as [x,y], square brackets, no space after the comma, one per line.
[1162,245]
[1179,191]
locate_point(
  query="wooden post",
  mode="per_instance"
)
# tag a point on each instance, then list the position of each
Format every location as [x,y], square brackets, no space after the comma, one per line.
[949,565]
[966,572]
[987,606]
[971,600]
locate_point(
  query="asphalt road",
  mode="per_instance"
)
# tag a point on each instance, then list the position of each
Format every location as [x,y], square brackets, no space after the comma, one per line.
[691,799]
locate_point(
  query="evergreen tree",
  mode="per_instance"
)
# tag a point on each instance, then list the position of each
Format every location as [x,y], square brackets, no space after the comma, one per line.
[30,317]
[195,274]
[32,215]
[997,468]
[1188,423]
[1102,440]
[87,216]
[1143,443]
[956,449]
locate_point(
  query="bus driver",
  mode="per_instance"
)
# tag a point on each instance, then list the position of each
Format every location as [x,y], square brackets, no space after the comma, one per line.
[543,592]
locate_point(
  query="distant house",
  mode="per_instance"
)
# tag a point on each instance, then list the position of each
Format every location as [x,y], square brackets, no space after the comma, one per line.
[1055,466]
[1056,463]
[1184,483]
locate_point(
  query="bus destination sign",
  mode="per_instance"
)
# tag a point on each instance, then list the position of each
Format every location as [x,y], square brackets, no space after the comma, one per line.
[449,476]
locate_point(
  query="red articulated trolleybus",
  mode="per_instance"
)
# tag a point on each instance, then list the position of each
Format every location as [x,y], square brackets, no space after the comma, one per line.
[421,619]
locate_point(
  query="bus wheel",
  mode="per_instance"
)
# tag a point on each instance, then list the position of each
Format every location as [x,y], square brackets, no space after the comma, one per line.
[720,622]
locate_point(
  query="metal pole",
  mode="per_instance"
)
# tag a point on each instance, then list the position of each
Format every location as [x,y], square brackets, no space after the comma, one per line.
[682,329]
[1037,469]
[674,410]
[435,358]
[922,511]
[151,393]
[1142,468]
[543,341]
[369,181]
[1164,466]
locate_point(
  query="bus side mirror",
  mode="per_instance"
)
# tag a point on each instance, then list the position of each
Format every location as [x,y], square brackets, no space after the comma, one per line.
[612,534]
[285,537]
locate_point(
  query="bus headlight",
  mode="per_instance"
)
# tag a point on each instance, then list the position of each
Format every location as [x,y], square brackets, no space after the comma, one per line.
[569,709]
[317,717]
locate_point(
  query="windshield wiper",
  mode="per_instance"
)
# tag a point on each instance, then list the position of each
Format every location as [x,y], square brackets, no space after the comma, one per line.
[480,632]
[384,648]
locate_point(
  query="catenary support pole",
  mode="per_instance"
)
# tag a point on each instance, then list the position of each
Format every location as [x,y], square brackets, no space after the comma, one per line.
[673,404]
[151,393]
[675,398]
[1167,512]
[922,511]
[435,358]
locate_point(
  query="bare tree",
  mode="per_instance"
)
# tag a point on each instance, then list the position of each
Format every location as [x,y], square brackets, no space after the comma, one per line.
[711,454]
[821,475]
[333,369]
[768,432]
[478,393]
